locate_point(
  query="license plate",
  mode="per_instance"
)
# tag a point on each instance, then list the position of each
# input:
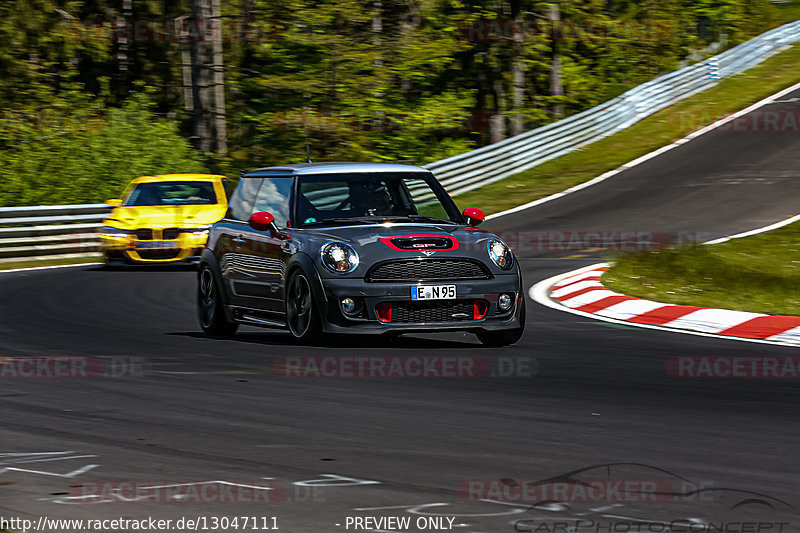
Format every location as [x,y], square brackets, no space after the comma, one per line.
[157,245]
[433,292]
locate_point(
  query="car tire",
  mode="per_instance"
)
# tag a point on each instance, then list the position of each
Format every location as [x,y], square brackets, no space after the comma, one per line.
[210,310]
[507,337]
[302,312]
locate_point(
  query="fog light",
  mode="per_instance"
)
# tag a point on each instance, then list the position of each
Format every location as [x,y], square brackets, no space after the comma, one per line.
[504,302]
[348,306]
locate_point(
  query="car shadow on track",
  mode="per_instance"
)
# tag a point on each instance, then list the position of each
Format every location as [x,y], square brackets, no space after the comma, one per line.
[337,341]
[167,267]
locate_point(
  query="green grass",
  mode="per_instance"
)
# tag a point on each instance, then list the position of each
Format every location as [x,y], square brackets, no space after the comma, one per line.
[730,95]
[759,274]
[787,12]
[30,263]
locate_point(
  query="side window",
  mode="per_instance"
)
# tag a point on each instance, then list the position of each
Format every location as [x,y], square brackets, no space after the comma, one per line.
[274,197]
[240,206]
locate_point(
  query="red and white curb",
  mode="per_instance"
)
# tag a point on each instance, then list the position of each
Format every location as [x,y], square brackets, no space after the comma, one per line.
[581,292]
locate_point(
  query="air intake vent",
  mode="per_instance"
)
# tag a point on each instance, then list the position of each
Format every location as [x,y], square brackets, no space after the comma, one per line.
[426,312]
[420,243]
[423,243]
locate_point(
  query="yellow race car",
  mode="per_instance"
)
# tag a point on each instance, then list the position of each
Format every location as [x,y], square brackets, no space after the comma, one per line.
[162,219]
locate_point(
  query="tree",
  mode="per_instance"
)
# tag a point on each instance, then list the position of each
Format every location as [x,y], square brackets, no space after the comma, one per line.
[92,160]
[208,86]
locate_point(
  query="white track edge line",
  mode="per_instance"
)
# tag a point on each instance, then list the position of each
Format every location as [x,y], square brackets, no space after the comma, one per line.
[47,267]
[650,155]
[539,292]
[756,231]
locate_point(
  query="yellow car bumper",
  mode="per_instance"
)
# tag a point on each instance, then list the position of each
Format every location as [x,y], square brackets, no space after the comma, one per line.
[129,248]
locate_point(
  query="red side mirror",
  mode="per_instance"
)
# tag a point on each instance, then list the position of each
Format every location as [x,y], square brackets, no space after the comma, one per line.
[262,221]
[474,216]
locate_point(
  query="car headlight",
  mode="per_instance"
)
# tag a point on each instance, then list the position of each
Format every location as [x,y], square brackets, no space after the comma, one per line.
[339,257]
[196,232]
[500,254]
[114,233]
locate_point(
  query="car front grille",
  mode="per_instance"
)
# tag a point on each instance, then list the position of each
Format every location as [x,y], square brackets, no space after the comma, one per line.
[427,270]
[144,234]
[170,234]
[441,311]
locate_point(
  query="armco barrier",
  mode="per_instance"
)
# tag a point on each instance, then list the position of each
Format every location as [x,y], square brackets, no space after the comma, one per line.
[495,162]
[50,231]
[42,232]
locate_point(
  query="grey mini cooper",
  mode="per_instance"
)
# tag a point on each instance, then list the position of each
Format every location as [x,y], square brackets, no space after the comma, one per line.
[356,248]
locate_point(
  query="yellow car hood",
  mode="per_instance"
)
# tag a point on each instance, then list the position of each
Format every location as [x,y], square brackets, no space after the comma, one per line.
[165,216]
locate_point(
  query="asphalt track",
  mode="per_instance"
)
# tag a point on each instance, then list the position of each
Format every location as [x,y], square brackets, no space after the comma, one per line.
[597,393]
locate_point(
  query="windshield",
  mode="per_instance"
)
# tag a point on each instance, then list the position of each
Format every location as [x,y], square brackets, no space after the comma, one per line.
[343,198]
[172,193]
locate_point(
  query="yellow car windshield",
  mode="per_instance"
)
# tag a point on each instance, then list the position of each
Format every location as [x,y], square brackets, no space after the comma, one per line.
[172,193]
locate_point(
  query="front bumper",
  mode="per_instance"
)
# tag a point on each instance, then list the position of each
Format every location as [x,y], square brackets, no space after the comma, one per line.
[186,247]
[486,317]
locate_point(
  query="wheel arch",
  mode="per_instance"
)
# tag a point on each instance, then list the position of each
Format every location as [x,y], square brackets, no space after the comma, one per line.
[208,259]
[303,262]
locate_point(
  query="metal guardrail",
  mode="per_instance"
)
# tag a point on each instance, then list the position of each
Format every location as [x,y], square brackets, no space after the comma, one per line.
[50,231]
[44,232]
[495,162]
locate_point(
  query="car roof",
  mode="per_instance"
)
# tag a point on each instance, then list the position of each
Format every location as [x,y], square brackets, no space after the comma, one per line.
[178,177]
[335,168]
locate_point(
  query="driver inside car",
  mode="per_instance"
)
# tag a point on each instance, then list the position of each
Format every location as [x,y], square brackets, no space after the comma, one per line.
[372,199]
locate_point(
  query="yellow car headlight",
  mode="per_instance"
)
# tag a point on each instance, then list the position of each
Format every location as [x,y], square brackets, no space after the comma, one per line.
[114,233]
[198,231]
